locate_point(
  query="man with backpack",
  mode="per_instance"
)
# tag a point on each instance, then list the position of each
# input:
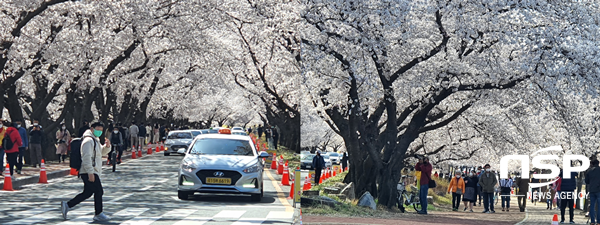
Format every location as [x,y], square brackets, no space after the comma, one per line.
[90,169]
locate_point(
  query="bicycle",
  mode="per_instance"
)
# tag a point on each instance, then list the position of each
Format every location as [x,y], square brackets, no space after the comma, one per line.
[407,198]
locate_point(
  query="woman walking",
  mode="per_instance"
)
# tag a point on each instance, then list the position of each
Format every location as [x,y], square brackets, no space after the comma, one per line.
[457,187]
[62,142]
[470,196]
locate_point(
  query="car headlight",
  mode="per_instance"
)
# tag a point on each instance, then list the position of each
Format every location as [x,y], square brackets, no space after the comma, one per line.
[252,169]
[188,166]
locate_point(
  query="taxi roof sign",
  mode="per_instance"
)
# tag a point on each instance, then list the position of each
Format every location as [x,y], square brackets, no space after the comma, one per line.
[224,131]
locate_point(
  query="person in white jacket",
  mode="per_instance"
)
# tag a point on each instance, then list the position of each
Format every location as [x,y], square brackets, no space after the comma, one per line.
[91,169]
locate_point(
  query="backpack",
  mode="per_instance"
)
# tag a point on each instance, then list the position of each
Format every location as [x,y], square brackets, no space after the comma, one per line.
[7,143]
[75,156]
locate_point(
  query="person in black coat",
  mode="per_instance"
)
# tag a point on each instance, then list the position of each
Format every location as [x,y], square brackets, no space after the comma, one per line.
[566,186]
[86,126]
[345,161]
[592,183]
[319,164]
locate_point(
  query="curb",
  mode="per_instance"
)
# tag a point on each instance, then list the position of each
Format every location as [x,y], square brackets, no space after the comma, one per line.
[296,219]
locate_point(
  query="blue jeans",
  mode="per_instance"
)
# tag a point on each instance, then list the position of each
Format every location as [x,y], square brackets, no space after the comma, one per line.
[594,204]
[423,197]
[488,201]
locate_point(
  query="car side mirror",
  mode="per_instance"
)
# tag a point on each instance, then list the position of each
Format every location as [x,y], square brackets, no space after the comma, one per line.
[263,155]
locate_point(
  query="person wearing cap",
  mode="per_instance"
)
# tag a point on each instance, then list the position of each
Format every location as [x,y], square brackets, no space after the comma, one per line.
[36,139]
[319,164]
[425,167]
[23,148]
[488,181]
[91,169]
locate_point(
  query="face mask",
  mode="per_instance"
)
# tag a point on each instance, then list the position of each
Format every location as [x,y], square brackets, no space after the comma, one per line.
[116,131]
[97,133]
[457,176]
[488,170]
[18,125]
[64,128]
[35,124]
[471,174]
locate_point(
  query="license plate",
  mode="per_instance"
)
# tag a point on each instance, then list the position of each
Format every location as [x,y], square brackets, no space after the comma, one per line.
[308,166]
[214,180]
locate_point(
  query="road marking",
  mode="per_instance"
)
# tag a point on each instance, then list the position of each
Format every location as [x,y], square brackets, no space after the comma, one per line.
[280,193]
[141,221]
[120,198]
[230,214]
[162,181]
[193,221]
[249,221]
[180,213]
[63,195]
[127,212]
[38,218]
[147,188]
[30,212]
[280,215]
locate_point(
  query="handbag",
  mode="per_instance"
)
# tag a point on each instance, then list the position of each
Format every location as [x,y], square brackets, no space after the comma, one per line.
[459,191]
[432,183]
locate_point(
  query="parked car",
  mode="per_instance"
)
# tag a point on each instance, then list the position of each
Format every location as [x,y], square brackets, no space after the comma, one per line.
[335,157]
[306,162]
[327,160]
[196,132]
[178,142]
[222,163]
[237,129]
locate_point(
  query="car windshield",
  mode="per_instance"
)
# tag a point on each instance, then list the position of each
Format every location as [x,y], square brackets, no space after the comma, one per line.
[308,157]
[180,135]
[214,146]
[213,131]
[333,154]
[196,133]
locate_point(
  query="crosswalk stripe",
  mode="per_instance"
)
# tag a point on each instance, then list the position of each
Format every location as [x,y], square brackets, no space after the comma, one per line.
[193,221]
[180,213]
[141,221]
[120,198]
[33,219]
[130,212]
[280,215]
[82,214]
[249,221]
[230,214]
[30,212]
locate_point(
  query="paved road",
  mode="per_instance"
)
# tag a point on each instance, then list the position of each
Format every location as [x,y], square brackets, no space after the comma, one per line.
[144,192]
[538,215]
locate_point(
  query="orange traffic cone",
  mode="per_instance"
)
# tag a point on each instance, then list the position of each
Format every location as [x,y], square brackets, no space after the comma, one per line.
[43,177]
[7,180]
[73,172]
[280,167]
[321,180]
[346,168]
[273,162]
[162,147]
[133,153]
[149,150]
[285,180]
[334,173]
[139,151]
[555,220]
[306,184]
[291,191]
[157,148]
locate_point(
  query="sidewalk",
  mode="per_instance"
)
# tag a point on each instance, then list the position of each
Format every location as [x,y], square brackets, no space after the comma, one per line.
[539,215]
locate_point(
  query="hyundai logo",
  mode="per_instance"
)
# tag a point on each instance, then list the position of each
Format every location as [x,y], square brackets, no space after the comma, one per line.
[219,174]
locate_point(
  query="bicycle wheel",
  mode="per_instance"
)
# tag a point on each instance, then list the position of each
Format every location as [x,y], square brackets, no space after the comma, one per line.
[401,202]
[415,202]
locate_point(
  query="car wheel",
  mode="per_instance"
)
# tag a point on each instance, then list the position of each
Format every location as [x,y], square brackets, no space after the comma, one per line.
[167,154]
[183,195]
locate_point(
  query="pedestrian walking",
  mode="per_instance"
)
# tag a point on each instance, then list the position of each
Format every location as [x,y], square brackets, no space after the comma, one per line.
[156,136]
[134,131]
[522,185]
[36,134]
[91,169]
[567,199]
[116,140]
[345,161]
[505,189]
[470,196]
[163,133]
[11,143]
[24,147]
[480,171]
[62,142]
[425,167]
[557,184]
[142,135]
[488,181]
[535,191]
[260,131]
[592,182]
[457,188]
[275,136]
[318,163]
[550,200]
[148,133]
